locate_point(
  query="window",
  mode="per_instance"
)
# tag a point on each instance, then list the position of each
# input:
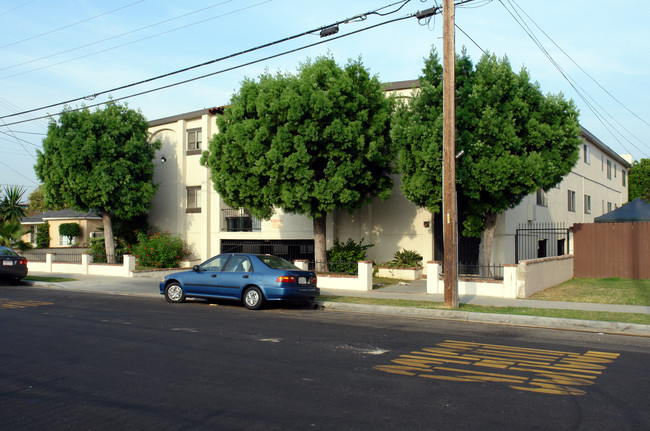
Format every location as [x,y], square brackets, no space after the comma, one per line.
[587,204]
[609,169]
[193,201]
[542,198]
[623,174]
[238,264]
[572,201]
[609,206]
[194,141]
[587,153]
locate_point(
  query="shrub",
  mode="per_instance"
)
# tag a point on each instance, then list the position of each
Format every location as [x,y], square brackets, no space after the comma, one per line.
[70,230]
[98,247]
[160,250]
[43,235]
[343,257]
[406,259]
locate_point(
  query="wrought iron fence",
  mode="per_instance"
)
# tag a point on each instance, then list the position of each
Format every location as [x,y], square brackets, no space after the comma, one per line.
[118,258]
[287,249]
[537,240]
[239,221]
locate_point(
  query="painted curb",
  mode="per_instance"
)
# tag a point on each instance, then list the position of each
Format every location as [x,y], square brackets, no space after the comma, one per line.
[617,328]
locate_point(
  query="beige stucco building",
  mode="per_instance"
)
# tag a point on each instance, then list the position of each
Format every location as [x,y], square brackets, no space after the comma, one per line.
[187,203]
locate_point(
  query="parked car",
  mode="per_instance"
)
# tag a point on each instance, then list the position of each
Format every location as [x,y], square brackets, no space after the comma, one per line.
[250,278]
[13,267]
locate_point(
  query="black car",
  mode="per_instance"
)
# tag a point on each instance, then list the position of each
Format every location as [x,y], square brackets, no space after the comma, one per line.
[13,267]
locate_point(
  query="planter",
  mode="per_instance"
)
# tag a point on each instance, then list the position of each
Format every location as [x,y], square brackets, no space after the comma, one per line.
[401,273]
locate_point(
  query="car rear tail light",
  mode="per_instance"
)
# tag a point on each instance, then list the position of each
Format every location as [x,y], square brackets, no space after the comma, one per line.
[22,262]
[286,279]
[314,279]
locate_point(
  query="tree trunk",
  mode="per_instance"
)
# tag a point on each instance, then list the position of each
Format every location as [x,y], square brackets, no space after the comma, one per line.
[485,248]
[109,242]
[320,248]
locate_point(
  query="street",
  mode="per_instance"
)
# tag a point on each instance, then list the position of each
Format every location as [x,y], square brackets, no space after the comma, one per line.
[76,360]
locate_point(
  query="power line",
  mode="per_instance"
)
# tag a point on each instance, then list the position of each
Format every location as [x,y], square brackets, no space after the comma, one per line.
[69,25]
[196,66]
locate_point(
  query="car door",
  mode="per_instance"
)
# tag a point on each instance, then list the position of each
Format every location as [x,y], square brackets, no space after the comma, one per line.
[204,280]
[235,275]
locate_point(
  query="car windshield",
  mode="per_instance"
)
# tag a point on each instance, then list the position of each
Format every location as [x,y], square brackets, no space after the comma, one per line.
[275,262]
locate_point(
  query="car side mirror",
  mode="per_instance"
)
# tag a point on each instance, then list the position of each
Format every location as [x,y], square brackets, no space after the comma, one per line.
[195,268]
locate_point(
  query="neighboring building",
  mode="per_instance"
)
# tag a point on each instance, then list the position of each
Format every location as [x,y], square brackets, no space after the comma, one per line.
[187,203]
[90,223]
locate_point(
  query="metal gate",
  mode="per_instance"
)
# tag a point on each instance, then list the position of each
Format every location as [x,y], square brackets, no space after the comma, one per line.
[287,249]
[537,240]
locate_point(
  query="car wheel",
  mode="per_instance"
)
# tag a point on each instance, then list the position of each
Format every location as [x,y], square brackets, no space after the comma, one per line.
[174,293]
[253,298]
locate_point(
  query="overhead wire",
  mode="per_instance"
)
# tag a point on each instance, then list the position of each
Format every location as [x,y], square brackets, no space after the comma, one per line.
[196,66]
[573,83]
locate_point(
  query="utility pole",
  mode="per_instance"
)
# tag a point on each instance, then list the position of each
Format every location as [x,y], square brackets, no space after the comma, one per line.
[449,160]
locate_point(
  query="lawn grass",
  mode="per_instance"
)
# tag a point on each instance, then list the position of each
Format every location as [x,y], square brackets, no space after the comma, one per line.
[643,319]
[378,282]
[48,279]
[600,291]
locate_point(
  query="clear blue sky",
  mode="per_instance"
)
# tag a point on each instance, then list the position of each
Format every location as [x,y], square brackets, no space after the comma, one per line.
[53,51]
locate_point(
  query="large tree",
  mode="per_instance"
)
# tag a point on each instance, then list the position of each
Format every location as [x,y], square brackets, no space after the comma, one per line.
[515,140]
[308,143]
[99,160]
[639,180]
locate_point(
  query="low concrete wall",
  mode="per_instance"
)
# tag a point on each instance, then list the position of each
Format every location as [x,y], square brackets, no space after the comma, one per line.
[401,273]
[86,267]
[538,274]
[506,288]
[361,282]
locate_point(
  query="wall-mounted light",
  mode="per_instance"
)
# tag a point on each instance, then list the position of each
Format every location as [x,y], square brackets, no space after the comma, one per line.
[163,159]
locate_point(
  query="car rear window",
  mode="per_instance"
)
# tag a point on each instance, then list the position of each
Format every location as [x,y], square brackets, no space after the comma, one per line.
[275,262]
[7,252]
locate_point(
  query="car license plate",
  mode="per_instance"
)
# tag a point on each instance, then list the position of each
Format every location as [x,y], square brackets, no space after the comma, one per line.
[8,262]
[303,280]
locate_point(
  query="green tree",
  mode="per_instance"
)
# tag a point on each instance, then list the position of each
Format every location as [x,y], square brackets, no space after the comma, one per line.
[308,143]
[43,235]
[100,160]
[70,230]
[37,202]
[11,206]
[639,180]
[515,140]
[10,233]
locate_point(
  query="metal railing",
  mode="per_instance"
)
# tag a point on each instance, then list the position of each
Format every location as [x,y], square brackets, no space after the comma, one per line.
[537,240]
[239,221]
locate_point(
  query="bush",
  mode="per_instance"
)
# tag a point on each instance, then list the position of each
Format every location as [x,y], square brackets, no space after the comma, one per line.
[343,257]
[70,230]
[43,235]
[160,250]
[406,259]
[98,247]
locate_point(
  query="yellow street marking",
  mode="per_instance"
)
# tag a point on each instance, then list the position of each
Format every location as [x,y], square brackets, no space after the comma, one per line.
[8,303]
[534,370]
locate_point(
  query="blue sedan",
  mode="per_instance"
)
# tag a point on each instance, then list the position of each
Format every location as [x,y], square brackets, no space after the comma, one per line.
[251,278]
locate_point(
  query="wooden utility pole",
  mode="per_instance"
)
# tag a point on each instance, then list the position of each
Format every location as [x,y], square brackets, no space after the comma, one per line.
[449,157]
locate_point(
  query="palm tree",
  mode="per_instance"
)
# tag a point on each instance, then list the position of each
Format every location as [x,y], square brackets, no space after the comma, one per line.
[10,206]
[10,233]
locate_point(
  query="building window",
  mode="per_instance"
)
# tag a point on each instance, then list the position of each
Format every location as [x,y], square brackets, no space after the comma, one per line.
[587,204]
[609,169]
[572,201]
[615,168]
[193,201]
[587,153]
[542,198]
[609,207]
[623,174]
[194,141]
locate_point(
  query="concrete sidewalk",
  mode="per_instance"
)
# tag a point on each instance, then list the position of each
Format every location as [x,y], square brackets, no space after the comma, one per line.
[415,291]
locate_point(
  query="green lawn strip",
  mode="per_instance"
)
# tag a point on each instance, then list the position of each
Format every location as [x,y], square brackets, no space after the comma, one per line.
[521,311]
[600,291]
[48,279]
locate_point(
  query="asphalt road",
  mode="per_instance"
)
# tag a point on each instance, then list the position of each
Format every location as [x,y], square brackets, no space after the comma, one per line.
[88,361]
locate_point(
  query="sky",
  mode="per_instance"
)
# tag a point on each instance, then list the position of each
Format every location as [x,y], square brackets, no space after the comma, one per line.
[57,51]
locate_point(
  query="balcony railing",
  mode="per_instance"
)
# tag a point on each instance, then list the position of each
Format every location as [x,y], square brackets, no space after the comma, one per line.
[239,221]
